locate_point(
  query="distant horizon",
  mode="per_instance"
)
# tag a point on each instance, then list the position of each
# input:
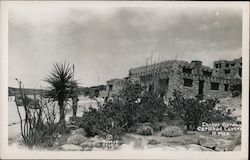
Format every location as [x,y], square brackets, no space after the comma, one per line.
[139,66]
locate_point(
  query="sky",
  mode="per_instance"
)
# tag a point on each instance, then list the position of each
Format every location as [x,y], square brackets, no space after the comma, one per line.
[105,42]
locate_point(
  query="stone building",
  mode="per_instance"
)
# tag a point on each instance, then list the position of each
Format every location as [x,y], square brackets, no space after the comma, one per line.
[114,86]
[192,79]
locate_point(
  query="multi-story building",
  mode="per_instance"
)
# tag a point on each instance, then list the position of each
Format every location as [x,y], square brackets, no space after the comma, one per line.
[192,79]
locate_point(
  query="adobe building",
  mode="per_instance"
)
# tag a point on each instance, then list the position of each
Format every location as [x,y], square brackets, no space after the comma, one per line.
[114,86]
[192,79]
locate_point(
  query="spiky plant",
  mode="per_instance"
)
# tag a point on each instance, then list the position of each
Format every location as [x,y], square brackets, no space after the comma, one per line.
[60,80]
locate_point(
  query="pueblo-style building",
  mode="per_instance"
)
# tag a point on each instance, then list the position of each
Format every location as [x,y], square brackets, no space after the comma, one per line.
[192,79]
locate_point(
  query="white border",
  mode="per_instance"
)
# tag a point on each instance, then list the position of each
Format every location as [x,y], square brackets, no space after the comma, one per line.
[6,153]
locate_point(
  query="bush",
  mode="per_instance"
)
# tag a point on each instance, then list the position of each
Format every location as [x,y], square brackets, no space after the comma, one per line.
[38,126]
[236,89]
[193,111]
[118,116]
[144,130]
[112,119]
[172,131]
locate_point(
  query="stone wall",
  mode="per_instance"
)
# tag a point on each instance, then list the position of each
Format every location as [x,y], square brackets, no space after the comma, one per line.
[199,79]
[114,86]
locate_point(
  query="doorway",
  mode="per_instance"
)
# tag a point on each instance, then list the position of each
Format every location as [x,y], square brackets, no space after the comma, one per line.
[201,86]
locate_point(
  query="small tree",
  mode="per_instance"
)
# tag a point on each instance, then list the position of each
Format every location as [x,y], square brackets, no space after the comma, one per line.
[60,80]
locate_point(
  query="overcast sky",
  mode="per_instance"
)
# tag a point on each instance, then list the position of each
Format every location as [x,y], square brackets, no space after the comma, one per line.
[104,43]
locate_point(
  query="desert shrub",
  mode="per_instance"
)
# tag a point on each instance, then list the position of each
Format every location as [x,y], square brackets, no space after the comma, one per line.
[38,126]
[236,89]
[110,119]
[151,109]
[116,117]
[172,131]
[193,111]
[144,130]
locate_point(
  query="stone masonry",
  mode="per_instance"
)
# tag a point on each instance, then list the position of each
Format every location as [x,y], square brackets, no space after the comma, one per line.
[192,79]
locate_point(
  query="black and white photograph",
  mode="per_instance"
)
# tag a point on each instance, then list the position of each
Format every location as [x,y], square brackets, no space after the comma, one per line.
[104,78]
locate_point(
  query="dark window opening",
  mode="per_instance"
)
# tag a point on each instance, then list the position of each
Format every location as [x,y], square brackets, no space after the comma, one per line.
[151,88]
[207,73]
[227,65]
[227,71]
[218,65]
[241,64]
[188,82]
[96,93]
[214,86]
[233,64]
[163,83]
[187,70]
[147,77]
[226,87]
[201,86]
[240,72]
[110,87]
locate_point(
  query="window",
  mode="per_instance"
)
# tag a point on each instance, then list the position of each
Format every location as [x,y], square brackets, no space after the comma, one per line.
[207,73]
[188,82]
[227,65]
[226,86]
[240,71]
[187,70]
[110,87]
[218,65]
[227,71]
[214,86]
[233,64]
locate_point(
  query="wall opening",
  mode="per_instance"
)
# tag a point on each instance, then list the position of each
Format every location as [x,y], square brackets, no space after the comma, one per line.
[215,86]
[207,73]
[163,86]
[240,72]
[110,87]
[187,70]
[226,87]
[227,71]
[201,86]
[188,82]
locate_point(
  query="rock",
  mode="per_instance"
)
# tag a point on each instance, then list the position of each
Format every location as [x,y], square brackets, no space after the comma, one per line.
[158,126]
[172,131]
[93,142]
[207,142]
[80,131]
[71,147]
[223,145]
[138,144]
[237,148]
[153,142]
[236,141]
[194,147]
[87,149]
[144,130]
[190,140]
[76,139]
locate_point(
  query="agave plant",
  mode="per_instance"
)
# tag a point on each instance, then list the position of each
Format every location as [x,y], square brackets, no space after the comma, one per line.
[60,80]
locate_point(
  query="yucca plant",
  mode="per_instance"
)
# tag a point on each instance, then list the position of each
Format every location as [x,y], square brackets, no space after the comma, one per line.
[60,79]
